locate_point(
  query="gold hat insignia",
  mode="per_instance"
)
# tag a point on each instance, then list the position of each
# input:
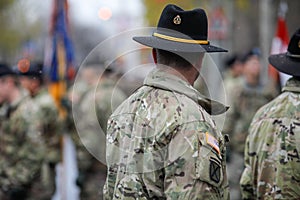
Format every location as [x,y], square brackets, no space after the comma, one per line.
[177,20]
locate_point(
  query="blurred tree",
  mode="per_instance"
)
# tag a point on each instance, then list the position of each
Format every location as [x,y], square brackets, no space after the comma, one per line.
[155,7]
[7,42]
[5,3]
[17,28]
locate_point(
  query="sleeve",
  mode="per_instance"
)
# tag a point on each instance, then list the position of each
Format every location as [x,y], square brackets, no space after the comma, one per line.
[195,168]
[246,178]
[25,150]
[51,128]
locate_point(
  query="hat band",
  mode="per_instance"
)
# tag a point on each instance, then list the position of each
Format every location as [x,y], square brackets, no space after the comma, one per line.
[166,37]
[292,55]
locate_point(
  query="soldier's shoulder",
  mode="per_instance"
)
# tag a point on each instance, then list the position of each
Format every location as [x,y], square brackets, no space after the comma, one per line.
[44,98]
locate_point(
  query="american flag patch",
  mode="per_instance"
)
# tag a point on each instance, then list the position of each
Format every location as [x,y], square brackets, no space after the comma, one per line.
[212,141]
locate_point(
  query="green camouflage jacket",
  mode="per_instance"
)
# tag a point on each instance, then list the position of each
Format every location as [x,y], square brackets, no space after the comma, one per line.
[47,122]
[162,144]
[246,101]
[94,110]
[21,147]
[272,153]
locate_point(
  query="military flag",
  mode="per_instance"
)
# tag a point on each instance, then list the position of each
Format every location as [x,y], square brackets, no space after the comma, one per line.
[280,43]
[59,63]
[61,58]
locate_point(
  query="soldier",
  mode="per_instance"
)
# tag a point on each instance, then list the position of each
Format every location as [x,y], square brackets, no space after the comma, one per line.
[107,96]
[47,123]
[87,78]
[21,147]
[162,142]
[272,153]
[232,76]
[251,94]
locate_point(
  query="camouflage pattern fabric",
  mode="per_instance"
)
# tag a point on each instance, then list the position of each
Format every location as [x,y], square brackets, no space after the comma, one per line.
[272,154]
[3,112]
[231,84]
[161,144]
[246,101]
[46,121]
[21,149]
[48,124]
[107,96]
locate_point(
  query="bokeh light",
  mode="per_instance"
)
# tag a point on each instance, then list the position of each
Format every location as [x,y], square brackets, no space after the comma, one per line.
[105,13]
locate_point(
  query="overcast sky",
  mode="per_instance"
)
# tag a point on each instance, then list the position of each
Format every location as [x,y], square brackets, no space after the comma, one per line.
[86,11]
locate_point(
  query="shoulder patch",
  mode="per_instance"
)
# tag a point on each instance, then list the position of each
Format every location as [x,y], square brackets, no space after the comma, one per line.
[214,171]
[212,141]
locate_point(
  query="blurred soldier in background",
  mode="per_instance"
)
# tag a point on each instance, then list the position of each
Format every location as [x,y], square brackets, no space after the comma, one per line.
[248,96]
[106,96]
[232,76]
[272,154]
[21,146]
[87,78]
[46,122]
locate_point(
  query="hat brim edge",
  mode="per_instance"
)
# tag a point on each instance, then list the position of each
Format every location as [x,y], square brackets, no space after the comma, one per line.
[285,64]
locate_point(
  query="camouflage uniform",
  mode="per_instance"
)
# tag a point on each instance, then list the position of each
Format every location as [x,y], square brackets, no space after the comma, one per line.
[21,150]
[162,144]
[230,84]
[272,154]
[107,97]
[46,121]
[3,112]
[246,101]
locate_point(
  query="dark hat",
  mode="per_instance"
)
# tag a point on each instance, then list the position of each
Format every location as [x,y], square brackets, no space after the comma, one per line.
[35,70]
[5,70]
[289,62]
[231,60]
[252,52]
[180,31]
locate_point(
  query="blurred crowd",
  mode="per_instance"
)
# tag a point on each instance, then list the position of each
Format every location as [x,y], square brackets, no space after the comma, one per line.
[31,126]
[246,92]
[31,129]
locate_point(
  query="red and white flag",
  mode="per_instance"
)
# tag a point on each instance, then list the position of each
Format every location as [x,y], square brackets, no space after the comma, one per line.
[280,44]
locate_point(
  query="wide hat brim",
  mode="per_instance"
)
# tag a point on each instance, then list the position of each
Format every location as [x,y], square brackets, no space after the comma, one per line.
[168,45]
[286,64]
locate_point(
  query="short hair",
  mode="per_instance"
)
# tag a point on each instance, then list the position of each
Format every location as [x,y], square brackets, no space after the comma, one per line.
[253,52]
[177,60]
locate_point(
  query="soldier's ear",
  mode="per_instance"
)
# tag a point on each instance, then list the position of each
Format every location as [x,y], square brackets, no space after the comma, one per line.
[154,55]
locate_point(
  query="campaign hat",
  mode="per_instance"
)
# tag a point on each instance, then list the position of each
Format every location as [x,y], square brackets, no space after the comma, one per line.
[180,30]
[288,62]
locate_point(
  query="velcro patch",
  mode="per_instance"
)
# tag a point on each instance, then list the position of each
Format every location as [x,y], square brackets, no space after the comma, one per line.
[214,171]
[212,141]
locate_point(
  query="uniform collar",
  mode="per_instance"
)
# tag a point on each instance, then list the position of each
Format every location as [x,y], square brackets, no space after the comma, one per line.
[292,85]
[161,79]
